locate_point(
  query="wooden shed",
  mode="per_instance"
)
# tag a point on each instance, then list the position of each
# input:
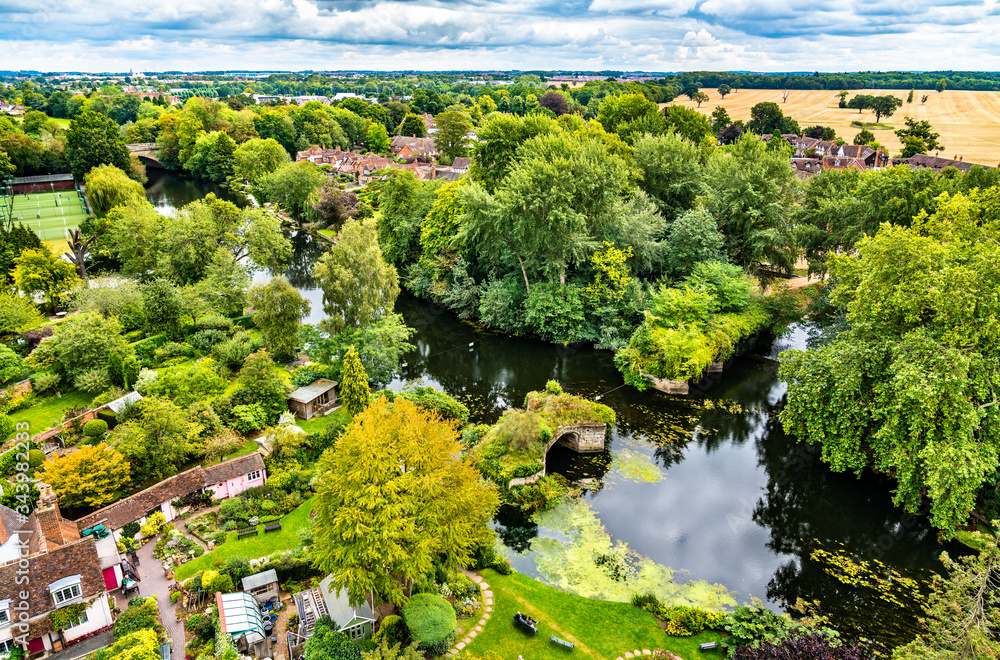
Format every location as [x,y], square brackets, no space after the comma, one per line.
[313,399]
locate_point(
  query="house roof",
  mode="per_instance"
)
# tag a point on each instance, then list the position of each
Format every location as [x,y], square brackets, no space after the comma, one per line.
[340,608]
[258,580]
[77,558]
[934,162]
[134,507]
[231,469]
[312,390]
[461,163]
[10,524]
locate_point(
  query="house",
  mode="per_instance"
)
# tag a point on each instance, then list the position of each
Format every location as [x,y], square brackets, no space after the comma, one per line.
[227,479]
[407,147]
[461,165]
[323,600]
[262,586]
[854,157]
[314,398]
[805,167]
[11,109]
[935,163]
[54,568]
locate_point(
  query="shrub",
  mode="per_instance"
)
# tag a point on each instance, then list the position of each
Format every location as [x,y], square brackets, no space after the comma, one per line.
[392,631]
[95,428]
[44,382]
[146,378]
[154,523]
[141,614]
[431,622]
[7,427]
[249,418]
[144,349]
[172,350]
[93,381]
[130,530]
[204,340]
[502,565]
[233,352]
[214,322]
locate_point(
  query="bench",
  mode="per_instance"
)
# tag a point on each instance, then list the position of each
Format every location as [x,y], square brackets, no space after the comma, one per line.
[243,533]
[561,642]
[708,646]
[273,527]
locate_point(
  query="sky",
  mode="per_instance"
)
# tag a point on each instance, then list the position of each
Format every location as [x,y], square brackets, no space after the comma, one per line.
[641,35]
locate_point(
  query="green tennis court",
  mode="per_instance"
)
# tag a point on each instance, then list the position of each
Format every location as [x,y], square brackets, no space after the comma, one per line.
[49,214]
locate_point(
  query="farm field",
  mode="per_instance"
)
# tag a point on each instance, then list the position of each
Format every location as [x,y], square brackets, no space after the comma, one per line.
[968,121]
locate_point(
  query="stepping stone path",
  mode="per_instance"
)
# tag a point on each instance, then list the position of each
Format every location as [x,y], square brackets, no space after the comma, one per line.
[634,654]
[487,600]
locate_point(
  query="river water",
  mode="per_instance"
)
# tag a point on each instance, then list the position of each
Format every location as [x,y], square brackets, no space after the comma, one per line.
[701,499]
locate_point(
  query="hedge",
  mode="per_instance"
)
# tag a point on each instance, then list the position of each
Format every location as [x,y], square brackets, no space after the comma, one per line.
[431,622]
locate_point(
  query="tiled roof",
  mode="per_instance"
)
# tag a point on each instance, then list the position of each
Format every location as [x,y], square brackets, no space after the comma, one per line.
[231,469]
[136,506]
[77,558]
[10,524]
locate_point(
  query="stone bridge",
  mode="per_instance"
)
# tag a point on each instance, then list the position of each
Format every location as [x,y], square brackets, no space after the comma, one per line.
[147,153]
[584,438]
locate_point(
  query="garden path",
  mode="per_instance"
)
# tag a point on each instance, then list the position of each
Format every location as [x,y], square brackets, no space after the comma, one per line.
[154,584]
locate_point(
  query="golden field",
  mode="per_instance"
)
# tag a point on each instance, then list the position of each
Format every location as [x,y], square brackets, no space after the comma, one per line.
[969,122]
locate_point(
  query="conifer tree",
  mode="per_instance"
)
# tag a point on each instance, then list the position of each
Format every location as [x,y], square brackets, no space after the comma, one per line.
[354,390]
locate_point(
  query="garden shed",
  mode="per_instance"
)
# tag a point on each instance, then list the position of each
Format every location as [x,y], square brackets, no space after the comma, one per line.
[262,586]
[313,399]
[240,617]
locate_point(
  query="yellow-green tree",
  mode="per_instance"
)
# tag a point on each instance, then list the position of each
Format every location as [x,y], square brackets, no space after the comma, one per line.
[87,477]
[41,272]
[392,496]
[108,187]
[354,389]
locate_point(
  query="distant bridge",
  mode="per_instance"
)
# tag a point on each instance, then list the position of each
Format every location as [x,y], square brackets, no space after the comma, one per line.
[147,153]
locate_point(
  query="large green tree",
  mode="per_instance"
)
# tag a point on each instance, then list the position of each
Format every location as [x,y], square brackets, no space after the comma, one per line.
[256,158]
[909,389]
[42,273]
[278,311]
[94,139]
[452,137]
[158,440]
[392,497]
[292,186]
[108,187]
[359,287]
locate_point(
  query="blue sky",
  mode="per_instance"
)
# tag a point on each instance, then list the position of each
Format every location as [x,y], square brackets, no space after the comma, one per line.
[650,35]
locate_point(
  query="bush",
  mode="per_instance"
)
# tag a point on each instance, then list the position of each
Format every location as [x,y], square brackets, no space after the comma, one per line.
[7,427]
[130,530]
[502,565]
[144,349]
[392,630]
[93,381]
[141,614]
[431,622]
[172,350]
[95,428]
[233,352]
[154,523]
[249,418]
[214,322]
[44,382]
[204,340]
[146,378]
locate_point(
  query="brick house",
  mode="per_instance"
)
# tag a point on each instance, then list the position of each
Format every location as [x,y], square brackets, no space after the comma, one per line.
[227,479]
[407,147]
[54,568]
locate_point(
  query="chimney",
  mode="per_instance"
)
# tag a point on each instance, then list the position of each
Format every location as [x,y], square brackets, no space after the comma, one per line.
[48,515]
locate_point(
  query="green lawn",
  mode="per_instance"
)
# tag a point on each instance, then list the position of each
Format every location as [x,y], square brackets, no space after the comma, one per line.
[600,629]
[317,424]
[254,546]
[248,447]
[46,415]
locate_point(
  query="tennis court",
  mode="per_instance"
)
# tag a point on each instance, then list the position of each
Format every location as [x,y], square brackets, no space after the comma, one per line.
[49,214]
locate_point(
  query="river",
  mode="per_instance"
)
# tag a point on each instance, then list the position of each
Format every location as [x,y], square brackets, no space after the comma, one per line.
[702,499]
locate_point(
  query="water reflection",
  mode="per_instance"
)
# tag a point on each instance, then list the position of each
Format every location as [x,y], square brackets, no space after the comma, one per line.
[169,191]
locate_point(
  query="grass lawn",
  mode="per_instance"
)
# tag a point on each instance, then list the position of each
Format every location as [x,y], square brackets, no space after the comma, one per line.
[45,415]
[317,424]
[248,447]
[600,629]
[252,547]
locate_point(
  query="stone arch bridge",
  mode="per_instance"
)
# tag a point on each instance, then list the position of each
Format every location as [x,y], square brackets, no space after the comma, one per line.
[584,438]
[147,153]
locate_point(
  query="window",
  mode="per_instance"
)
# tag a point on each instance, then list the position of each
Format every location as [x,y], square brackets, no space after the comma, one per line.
[6,646]
[4,616]
[66,590]
[79,622]
[253,476]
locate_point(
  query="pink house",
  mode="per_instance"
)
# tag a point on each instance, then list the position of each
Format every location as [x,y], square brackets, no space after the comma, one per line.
[231,478]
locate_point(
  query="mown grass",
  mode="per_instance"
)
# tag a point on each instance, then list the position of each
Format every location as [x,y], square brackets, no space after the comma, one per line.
[252,547]
[599,629]
[45,415]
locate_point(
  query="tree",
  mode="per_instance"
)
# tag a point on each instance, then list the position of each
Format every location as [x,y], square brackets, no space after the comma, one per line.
[354,389]
[814,646]
[555,102]
[912,146]
[724,90]
[629,115]
[452,138]
[940,85]
[89,476]
[413,126]
[328,643]
[906,389]
[692,238]
[720,118]
[17,313]
[163,308]
[40,272]
[963,610]
[861,102]
[766,118]
[380,346]
[11,364]
[278,309]
[335,206]
[864,136]
[291,186]
[397,468]
[256,158]
[158,440]
[108,187]
[81,343]
[94,139]
[909,97]
[922,130]
[700,98]
[673,171]
[359,287]
[378,139]
[885,106]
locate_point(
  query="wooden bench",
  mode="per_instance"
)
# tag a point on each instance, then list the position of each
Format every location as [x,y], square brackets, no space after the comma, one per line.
[561,642]
[243,533]
[273,527]
[708,646]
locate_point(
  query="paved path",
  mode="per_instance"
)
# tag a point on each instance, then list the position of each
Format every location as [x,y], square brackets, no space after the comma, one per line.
[152,582]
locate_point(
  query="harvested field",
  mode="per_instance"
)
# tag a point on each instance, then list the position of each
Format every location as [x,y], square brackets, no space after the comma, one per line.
[969,122]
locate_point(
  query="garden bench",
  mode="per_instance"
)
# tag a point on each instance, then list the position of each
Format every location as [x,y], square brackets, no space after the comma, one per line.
[526,623]
[708,646]
[243,533]
[273,527]
[561,642]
